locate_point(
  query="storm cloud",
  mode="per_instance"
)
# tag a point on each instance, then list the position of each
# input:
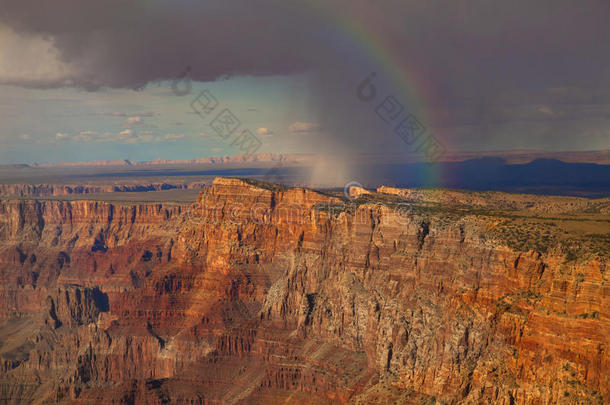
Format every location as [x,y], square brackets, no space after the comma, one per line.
[487,66]
[475,45]
[113,43]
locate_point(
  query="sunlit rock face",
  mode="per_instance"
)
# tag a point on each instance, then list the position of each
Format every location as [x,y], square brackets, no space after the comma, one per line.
[264,294]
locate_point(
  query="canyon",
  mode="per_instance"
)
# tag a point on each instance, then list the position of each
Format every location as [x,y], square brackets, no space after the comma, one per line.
[50,190]
[260,293]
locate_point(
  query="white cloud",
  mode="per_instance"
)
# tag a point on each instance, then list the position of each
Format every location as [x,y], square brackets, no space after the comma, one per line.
[304,127]
[30,59]
[125,136]
[264,131]
[133,121]
[173,137]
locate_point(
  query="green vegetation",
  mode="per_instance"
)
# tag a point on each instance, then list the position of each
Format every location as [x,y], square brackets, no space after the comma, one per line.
[264,185]
[538,234]
[510,302]
[334,209]
[590,315]
[525,235]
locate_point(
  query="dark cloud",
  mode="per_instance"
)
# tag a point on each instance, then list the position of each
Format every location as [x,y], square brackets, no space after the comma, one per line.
[129,44]
[483,62]
[466,47]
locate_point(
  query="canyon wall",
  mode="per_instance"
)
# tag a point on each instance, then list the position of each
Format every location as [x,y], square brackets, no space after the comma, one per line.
[264,294]
[49,190]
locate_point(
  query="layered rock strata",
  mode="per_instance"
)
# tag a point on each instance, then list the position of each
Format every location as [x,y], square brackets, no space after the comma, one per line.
[265,294]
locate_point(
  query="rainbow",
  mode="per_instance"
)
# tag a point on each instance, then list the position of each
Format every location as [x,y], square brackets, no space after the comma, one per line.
[409,85]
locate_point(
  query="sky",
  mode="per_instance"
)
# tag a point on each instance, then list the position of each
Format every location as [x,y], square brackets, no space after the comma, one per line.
[91,80]
[66,124]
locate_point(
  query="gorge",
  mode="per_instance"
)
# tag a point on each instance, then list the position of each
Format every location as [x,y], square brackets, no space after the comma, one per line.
[262,294]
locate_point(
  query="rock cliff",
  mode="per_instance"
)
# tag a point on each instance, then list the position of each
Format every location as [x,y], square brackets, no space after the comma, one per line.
[48,190]
[264,294]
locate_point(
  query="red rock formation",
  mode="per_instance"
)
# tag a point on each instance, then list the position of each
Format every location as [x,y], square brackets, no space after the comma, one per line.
[48,190]
[262,294]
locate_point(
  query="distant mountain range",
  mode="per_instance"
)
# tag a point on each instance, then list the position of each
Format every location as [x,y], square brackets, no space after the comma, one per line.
[262,157]
[510,157]
[540,176]
[584,174]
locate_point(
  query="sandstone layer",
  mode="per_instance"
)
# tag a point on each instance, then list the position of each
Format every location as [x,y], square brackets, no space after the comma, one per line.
[49,190]
[264,294]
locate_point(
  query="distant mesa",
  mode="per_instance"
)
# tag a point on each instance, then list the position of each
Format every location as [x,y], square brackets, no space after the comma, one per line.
[509,157]
[250,158]
[123,162]
[15,166]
